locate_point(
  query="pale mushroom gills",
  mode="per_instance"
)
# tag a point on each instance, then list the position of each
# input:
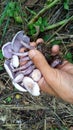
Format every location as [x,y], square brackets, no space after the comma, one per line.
[24,77]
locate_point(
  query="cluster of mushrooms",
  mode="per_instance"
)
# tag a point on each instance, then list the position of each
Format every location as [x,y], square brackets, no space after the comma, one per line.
[23,73]
[21,70]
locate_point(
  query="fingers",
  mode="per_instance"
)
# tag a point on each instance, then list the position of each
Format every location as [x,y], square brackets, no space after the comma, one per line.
[55,50]
[41,63]
[39,60]
[37,42]
[46,88]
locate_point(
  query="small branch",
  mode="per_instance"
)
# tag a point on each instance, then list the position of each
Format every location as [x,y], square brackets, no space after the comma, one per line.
[42,11]
[63,22]
[30,107]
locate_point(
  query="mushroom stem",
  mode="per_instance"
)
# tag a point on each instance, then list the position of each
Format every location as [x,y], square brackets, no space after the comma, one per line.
[28,70]
[26,45]
[18,54]
[24,59]
[23,67]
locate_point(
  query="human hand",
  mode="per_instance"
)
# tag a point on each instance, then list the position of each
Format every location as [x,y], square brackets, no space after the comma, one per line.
[55,81]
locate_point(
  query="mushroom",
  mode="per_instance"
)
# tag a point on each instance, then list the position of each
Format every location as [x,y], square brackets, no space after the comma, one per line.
[23,67]
[56,62]
[31,86]
[28,70]
[19,87]
[36,75]
[19,41]
[5,50]
[19,77]
[20,65]
[8,52]
[24,59]
[15,61]
[18,54]
[8,69]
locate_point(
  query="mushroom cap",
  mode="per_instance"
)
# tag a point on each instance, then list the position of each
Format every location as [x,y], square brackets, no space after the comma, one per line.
[8,69]
[6,50]
[31,86]
[36,75]
[15,61]
[16,41]
[18,78]
[17,86]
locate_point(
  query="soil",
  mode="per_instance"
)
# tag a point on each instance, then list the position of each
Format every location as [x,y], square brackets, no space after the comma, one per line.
[22,111]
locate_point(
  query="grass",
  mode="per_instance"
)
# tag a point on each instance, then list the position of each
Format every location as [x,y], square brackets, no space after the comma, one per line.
[53,21]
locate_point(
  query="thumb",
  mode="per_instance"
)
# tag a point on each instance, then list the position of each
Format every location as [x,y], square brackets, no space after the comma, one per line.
[41,63]
[39,60]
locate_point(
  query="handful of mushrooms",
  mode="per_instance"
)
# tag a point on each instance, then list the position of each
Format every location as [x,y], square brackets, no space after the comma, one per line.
[23,73]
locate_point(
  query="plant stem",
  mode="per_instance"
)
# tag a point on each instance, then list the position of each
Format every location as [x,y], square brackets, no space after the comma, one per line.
[3,15]
[4,30]
[65,21]
[42,11]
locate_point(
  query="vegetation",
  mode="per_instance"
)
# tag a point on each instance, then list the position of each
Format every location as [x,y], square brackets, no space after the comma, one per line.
[53,21]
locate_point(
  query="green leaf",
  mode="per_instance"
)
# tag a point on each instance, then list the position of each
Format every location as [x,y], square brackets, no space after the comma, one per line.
[39,21]
[12,5]
[44,22]
[46,37]
[66,4]
[1,68]
[1,55]
[10,13]
[18,19]
[32,29]
[68,57]
[57,42]
[8,99]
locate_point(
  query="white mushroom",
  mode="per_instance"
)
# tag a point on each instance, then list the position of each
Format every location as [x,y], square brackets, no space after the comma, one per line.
[15,61]
[31,86]
[36,75]
[17,86]
[8,69]
[18,78]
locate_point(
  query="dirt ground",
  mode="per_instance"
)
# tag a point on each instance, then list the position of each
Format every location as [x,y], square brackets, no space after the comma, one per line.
[22,111]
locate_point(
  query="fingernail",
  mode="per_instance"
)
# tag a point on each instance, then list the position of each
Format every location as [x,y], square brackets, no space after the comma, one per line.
[32,53]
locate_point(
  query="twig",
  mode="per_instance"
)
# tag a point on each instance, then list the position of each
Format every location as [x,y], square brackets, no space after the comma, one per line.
[64,36]
[45,128]
[58,24]
[30,107]
[42,11]
[71,18]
